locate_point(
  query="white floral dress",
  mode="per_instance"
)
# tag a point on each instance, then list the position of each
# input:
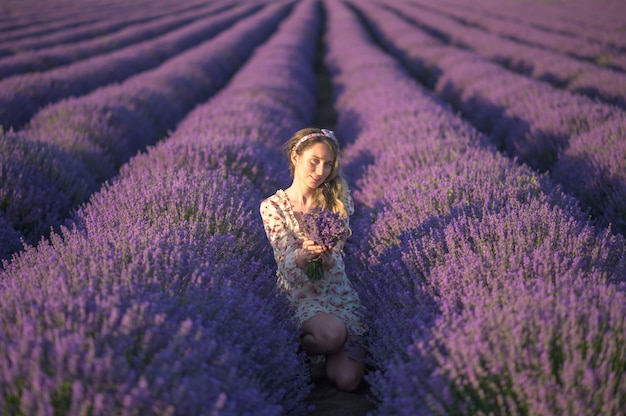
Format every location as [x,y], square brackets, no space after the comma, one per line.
[334,293]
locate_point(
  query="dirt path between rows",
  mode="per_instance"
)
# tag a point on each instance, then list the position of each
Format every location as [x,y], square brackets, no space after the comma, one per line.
[329,401]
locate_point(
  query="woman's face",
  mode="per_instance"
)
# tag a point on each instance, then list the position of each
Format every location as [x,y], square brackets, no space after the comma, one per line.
[313,166]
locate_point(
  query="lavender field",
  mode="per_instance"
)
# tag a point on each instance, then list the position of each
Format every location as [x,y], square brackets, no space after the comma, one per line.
[485,145]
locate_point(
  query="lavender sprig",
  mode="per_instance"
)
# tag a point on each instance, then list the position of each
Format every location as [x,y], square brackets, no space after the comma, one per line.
[326,228]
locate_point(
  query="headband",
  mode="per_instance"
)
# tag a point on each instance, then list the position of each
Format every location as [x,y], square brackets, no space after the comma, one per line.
[324,133]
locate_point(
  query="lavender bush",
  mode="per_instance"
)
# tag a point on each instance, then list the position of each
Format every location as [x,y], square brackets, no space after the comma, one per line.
[528,120]
[510,242]
[164,240]
[487,289]
[139,29]
[576,74]
[170,343]
[474,184]
[414,235]
[22,96]
[424,260]
[38,28]
[39,185]
[582,48]
[10,239]
[140,111]
[593,168]
[170,252]
[104,129]
[545,348]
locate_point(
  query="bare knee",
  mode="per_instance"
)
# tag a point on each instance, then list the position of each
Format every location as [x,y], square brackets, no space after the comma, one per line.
[344,372]
[348,380]
[329,332]
[334,334]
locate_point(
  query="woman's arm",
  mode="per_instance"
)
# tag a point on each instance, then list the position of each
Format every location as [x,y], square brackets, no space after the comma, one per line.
[287,246]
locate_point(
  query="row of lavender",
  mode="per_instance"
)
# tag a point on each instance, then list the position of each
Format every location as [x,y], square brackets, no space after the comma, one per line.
[552,65]
[71,147]
[487,291]
[578,19]
[79,25]
[161,298]
[571,45]
[20,18]
[23,95]
[579,140]
[45,52]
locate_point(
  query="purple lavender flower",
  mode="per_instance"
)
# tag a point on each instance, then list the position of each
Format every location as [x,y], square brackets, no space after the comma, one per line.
[326,228]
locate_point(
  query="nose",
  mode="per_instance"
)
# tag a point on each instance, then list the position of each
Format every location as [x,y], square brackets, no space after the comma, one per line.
[319,170]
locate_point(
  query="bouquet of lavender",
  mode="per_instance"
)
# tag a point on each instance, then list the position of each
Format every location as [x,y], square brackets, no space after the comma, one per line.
[326,228]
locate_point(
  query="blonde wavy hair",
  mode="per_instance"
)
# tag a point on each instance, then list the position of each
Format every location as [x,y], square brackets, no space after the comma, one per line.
[332,194]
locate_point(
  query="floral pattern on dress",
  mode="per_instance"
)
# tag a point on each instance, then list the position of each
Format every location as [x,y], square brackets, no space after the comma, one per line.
[334,293]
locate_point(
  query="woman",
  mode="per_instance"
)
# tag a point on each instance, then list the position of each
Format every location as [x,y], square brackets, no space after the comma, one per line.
[327,309]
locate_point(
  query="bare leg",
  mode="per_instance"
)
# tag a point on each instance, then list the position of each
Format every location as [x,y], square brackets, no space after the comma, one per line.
[326,334]
[344,371]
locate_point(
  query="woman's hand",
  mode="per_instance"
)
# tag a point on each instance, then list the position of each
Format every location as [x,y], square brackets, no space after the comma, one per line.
[311,251]
[328,260]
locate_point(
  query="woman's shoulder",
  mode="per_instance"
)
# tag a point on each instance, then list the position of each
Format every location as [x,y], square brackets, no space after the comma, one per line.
[273,202]
[276,197]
